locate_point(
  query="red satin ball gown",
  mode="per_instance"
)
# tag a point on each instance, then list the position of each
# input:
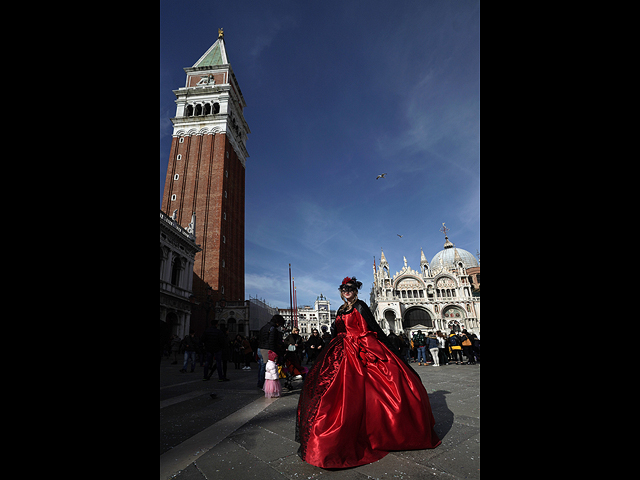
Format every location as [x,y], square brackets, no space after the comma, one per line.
[360,401]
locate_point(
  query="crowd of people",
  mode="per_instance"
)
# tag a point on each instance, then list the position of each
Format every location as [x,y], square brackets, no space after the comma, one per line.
[433,348]
[214,349]
[437,348]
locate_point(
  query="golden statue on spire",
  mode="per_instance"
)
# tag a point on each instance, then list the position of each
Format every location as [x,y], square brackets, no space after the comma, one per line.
[220,33]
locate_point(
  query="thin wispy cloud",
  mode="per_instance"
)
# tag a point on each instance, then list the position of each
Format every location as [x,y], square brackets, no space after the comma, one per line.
[274,288]
[165,123]
[272,26]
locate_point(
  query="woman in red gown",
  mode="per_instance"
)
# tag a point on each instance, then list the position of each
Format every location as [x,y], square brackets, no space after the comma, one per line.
[360,400]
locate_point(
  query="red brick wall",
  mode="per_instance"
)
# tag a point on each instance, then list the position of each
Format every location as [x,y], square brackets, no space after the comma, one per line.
[201,187]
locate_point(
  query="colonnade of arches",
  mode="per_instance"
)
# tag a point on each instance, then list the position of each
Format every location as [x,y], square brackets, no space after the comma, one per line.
[195,110]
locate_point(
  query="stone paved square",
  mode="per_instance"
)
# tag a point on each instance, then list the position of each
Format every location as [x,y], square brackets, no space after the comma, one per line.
[264,446]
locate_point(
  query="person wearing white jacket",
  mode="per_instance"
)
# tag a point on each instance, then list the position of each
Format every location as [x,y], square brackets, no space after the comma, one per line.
[442,350]
[271,377]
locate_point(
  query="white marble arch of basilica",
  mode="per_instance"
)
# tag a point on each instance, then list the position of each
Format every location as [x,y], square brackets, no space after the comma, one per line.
[437,297]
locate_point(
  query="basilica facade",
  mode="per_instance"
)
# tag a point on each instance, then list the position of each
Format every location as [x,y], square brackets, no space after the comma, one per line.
[438,296]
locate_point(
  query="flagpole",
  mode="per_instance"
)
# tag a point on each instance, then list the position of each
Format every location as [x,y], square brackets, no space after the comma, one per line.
[295,305]
[290,295]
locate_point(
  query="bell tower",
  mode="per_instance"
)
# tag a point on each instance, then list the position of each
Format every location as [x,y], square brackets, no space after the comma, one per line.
[206,174]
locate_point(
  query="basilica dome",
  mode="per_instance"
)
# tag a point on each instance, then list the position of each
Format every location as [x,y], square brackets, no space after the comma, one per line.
[448,256]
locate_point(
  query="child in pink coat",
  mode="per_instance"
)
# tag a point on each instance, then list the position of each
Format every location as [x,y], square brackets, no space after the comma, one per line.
[271,377]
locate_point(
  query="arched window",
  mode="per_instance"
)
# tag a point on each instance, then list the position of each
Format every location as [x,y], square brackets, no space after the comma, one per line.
[188,112]
[231,323]
[417,316]
[176,267]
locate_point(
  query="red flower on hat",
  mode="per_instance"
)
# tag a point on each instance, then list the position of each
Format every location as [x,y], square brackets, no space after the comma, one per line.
[346,280]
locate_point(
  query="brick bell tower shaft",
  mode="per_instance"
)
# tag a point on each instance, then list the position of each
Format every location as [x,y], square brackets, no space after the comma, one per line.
[206,173]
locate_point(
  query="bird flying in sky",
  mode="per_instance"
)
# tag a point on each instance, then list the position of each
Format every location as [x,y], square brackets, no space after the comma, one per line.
[399,235]
[380,176]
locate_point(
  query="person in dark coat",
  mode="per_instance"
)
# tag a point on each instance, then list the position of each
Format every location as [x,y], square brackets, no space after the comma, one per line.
[455,347]
[467,347]
[420,341]
[405,349]
[238,356]
[326,336]
[226,350]
[191,345]
[432,346]
[314,345]
[476,345]
[396,342]
[213,341]
[295,339]
[270,338]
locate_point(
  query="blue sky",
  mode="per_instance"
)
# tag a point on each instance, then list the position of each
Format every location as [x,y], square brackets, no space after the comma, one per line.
[338,92]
